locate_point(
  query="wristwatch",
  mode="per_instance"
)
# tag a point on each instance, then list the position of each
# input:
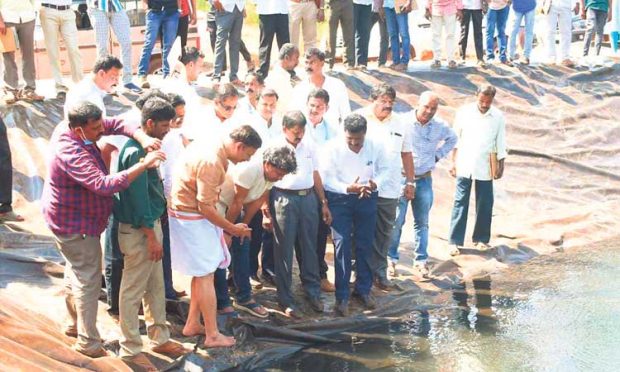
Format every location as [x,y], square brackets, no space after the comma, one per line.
[411,183]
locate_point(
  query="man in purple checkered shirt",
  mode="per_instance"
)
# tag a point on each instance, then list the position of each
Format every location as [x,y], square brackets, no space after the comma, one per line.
[77,201]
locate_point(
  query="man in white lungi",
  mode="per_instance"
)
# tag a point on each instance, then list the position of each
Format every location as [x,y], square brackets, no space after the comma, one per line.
[196,228]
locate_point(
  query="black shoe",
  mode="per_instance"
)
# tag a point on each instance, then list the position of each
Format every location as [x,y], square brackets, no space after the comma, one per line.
[383,284]
[366,300]
[268,277]
[316,304]
[342,308]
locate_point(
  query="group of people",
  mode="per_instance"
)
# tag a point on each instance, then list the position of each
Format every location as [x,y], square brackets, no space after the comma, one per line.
[207,190]
[284,20]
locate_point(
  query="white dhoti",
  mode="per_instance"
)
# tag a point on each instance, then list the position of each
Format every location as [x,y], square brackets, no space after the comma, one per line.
[197,247]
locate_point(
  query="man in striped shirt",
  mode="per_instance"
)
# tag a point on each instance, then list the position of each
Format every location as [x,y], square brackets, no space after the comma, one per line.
[433,139]
[77,201]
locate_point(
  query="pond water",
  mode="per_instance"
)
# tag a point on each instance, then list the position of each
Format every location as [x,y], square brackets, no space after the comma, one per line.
[555,313]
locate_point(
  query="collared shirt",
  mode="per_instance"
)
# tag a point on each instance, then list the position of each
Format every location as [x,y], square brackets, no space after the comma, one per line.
[143,202]
[209,124]
[280,80]
[106,5]
[431,142]
[478,136]
[498,4]
[20,11]
[85,91]
[198,177]
[244,106]
[267,131]
[395,137]
[369,164]
[445,7]
[248,174]
[472,4]
[77,193]
[307,162]
[264,7]
[229,5]
[321,133]
[339,106]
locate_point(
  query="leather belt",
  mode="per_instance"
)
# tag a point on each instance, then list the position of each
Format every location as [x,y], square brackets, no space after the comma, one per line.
[424,175]
[303,192]
[57,7]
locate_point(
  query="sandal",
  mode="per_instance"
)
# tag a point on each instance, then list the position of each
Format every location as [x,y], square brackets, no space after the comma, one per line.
[251,308]
[30,95]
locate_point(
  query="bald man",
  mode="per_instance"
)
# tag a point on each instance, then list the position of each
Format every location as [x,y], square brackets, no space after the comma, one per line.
[432,140]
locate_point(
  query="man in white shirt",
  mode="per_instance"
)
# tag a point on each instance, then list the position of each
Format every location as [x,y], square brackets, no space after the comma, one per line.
[321,132]
[281,77]
[339,97]
[244,192]
[272,21]
[265,121]
[390,131]
[253,84]
[352,194]
[293,207]
[58,19]
[481,132]
[229,23]
[559,17]
[221,117]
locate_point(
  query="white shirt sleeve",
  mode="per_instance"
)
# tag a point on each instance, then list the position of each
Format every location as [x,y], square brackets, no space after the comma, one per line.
[329,170]
[382,166]
[500,140]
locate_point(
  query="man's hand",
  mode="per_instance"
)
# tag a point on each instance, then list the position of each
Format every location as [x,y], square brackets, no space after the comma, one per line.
[576,8]
[192,19]
[241,231]
[150,143]
[320,16]
[459,15]
[153,158]
[2,27]
[427,14]
[409,192]
[609,15]
[381,14]
[327,215]
[217,4]
[408,7]
[500,169]
[452,170]
[583,13]
[155,249]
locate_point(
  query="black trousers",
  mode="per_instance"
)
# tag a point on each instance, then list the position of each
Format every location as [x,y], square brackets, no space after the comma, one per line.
[476,18]
[271,25]
[6,171]
[243,50]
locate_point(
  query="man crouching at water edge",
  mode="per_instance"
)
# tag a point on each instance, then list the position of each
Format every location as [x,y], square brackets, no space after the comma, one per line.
[138,210]
[77,202]
[197,230]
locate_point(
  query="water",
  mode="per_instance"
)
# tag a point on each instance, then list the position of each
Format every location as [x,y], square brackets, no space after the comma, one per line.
[554,313]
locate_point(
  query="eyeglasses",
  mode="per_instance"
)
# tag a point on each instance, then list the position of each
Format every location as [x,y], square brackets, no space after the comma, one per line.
[228,108]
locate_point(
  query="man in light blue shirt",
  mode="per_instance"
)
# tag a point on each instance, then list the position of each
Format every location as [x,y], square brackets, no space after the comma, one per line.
[433,139]
[351,192]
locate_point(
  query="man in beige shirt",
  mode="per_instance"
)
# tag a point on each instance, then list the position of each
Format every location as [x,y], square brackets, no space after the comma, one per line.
[197,230]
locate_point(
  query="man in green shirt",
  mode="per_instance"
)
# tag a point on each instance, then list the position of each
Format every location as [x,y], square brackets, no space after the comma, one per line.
[138,210]
[596,13]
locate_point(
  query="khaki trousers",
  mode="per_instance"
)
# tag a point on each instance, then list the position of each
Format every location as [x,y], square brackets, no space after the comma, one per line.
[61,22]
[82,255]
[304,15]
[143,280]
[445,23]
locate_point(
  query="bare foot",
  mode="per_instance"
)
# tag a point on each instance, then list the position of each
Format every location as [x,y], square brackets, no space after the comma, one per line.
[219,341]
[191,331]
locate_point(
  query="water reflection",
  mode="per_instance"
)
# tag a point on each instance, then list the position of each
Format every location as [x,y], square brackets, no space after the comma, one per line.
[476,313]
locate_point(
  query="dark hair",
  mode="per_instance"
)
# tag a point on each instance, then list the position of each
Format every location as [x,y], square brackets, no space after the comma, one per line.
[157,109]
[225,91]
[486,90]
[107,63]
[382,89]
[316,52]
[355,123]
[293,119]
[281,157]
[175,99]
[82,112]
[319,93]
[268,92]
[190,54]
[259,78]
[287,50]
[246,135]
[148,95]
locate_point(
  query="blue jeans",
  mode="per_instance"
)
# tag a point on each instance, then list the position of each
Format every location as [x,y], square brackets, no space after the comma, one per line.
[484,211]
[168,21]
[496,20]
[398,26]
[114,262]
[240,251]
[421,205]
[354,219]
[221,289]
[528,18]
[166,264]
